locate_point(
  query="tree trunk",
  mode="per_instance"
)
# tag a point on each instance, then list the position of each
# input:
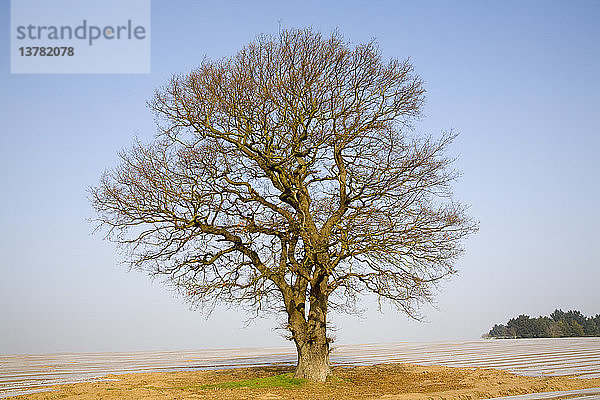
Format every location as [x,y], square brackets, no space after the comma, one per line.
[312,346]
[313,359]
[310,336]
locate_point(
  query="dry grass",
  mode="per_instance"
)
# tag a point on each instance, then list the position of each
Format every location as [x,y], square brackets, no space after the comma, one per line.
[384,381]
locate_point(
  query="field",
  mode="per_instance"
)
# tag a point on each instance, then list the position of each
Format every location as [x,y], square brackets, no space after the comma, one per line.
[475,370]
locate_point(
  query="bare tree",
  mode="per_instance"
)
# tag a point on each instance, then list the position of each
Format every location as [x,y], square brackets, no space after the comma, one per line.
[287,178]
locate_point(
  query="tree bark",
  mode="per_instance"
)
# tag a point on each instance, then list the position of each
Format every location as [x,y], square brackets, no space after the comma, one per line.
[313,360]
[310,334]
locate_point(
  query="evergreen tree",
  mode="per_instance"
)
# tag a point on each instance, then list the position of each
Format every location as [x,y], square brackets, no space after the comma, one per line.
[559,324]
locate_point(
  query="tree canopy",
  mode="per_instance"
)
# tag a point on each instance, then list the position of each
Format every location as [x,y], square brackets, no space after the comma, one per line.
[559,324]
[288,179]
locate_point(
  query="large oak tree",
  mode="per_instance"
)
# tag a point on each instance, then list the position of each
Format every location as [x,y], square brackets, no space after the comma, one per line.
[287,178]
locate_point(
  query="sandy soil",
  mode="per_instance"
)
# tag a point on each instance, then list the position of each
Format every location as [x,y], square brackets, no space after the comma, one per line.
[384,381]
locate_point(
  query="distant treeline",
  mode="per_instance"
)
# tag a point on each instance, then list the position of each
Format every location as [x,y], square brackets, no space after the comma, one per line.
[558,324]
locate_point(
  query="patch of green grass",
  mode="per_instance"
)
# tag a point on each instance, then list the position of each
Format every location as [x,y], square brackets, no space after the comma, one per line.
[284,381]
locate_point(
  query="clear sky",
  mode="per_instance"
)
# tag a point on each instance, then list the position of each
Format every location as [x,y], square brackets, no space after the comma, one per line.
[518,79]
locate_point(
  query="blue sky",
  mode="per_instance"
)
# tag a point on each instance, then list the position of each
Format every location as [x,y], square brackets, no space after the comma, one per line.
[519,81]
